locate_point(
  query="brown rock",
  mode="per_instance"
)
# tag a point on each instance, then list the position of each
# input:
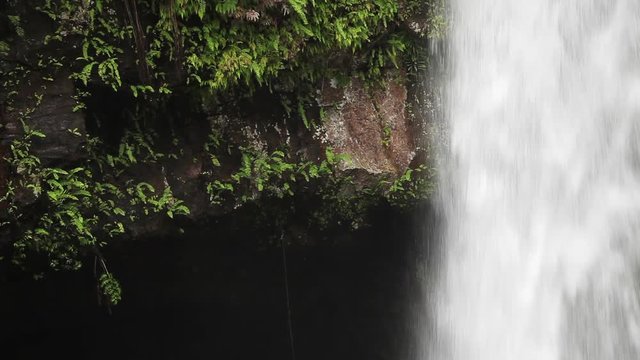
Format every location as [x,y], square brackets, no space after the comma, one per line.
[369,124]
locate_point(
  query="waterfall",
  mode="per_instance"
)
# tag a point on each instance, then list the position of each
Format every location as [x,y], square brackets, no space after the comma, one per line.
[540,185]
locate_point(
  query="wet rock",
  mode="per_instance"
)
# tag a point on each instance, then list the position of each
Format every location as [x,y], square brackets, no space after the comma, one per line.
[53,116]
[369,124]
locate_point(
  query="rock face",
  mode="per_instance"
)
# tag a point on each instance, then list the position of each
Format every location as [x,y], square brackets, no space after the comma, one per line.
[54,116]
[49,104]
[370,125]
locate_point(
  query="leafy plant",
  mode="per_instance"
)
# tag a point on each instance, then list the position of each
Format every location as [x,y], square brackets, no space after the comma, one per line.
[64,213]
[82,207]
[110,288]
[414,185]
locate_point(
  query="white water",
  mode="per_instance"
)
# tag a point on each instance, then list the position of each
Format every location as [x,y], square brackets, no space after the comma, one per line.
[542,183]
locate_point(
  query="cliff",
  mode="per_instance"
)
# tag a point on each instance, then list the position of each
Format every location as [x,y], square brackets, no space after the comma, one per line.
[123,120]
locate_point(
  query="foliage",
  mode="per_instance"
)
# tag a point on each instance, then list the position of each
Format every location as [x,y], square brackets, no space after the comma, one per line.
[414,185]
[343,203]
[4,48]
[270,174]
[431,13]
[83,208]
[338,199]
[151,50]
[110,288]
[387,132]
[228,43]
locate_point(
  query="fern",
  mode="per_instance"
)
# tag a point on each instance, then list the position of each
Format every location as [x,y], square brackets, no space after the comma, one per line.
[299,8]
[227,7]
[110,288]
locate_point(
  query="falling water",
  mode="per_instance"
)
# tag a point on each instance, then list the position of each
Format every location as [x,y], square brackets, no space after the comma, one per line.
[542,182]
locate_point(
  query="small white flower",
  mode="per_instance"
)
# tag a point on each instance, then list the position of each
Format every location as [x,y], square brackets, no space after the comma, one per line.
[252,15]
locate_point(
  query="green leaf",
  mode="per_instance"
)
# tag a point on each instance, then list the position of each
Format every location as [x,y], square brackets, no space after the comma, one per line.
[299,8]
[85,50]
[53,195]
[38,134]
[331,157]
[110,288]
[130,156]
